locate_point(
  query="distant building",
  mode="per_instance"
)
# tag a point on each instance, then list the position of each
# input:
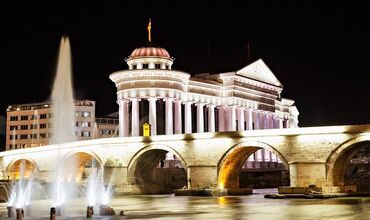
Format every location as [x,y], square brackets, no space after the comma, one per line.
[29,125]
[107,126]
[2,132]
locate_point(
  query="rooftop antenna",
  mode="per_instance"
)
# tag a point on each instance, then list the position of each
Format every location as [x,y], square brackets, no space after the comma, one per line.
[149,30]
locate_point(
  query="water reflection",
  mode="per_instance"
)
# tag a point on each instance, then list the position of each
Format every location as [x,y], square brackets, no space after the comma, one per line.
[230,207]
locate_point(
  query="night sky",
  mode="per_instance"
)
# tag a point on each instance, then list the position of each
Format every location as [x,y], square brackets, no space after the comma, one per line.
[319,52]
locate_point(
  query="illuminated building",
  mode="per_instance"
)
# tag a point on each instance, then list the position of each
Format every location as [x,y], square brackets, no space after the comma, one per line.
[174,102]
[29,125]
[106,126]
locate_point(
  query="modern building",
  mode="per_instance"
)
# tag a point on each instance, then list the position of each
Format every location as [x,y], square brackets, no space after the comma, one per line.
[29,125]
[107,126]
[2,132]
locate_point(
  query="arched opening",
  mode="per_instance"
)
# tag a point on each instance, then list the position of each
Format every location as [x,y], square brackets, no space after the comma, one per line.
[78,166]
[252,166]
[21,168]
[157,171]
[350,170]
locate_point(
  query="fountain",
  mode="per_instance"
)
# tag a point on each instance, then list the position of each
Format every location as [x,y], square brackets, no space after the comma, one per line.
[20,196]
[64,182]
[35,130]
[63,108]
[63,111]
[98,194]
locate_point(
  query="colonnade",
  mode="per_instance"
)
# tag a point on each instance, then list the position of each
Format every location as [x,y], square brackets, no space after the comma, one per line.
[218,118]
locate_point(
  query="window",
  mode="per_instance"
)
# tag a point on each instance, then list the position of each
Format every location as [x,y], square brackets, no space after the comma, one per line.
[86,114]
[145,66]
[33,136]
[13,137]
[42,125]
[157,66]
[13,118]
[85,124]
[24,117]
[43,116]
[24,136]
[134,66]
[13,127]
[33,117]
[42,135]
[34,126]
[24,127]
[85,134]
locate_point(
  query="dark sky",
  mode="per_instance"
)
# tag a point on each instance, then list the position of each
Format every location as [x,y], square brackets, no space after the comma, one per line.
[320,52]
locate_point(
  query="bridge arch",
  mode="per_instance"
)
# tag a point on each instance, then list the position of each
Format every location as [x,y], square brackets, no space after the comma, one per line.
[230,164]
[13,169]
[142,168]
[90,153]
[339,158]
[75,163]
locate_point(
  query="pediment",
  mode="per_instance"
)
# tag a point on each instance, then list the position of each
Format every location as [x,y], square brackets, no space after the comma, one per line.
[259,71]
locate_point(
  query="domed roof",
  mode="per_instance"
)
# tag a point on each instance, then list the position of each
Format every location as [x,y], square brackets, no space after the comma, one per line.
[150,51]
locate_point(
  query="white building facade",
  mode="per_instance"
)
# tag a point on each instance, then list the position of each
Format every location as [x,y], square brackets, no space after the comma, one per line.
[30,125]
[173,102]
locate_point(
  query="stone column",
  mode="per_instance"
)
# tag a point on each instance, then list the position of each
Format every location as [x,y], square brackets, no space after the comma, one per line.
[227,118]
[169,116]
[249,118]
[178,124]
[281,123]
[211,118]
[188,117]
[270,122]
[276,124]
[135,117]
[274,121]
[153,115]
[256,119]
[200,118]
[261,115]
[233,118]
[123,118]
[221,118]
[263,119]
[240,119]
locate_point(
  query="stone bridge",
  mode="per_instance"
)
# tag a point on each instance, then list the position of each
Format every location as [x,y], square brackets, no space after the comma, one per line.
[312,155]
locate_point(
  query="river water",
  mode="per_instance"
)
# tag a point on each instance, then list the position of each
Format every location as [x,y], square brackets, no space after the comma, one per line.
[230,207]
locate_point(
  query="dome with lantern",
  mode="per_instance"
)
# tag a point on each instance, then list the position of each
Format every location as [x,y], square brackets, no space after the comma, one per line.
[150,56]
